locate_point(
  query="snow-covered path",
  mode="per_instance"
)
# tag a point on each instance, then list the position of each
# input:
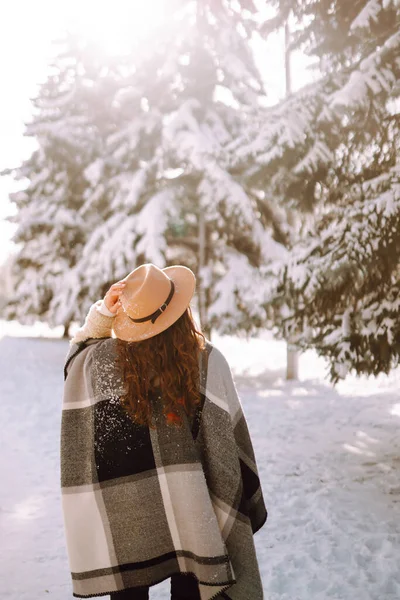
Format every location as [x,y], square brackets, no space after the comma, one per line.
[329,461]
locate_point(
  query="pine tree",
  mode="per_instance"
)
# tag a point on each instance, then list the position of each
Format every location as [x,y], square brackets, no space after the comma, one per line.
[169,167]
[332,151]
[68,126]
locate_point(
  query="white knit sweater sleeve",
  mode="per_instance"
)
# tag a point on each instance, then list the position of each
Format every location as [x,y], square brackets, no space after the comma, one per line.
[104,310]
[97,324]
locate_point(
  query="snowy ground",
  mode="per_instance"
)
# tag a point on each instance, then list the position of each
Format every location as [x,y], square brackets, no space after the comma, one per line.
[329,461]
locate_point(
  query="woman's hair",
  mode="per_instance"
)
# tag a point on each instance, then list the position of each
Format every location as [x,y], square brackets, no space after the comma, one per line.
[169,361]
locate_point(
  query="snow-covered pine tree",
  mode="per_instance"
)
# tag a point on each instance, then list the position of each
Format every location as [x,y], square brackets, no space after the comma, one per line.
[333,149]
[68,125]
[169,167]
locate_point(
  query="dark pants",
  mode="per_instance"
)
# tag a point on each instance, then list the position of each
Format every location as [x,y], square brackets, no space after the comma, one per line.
[183,587]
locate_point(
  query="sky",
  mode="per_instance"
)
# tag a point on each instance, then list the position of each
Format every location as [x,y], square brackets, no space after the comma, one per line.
[27,30]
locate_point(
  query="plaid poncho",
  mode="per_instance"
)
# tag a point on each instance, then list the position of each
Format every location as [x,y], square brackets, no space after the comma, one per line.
[139,504]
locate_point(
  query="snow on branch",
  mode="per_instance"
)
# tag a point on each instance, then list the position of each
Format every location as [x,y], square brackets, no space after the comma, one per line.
[375,75]
[369,12]
[342,284]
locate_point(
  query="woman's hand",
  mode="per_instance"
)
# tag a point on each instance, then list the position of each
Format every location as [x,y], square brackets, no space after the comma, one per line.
[111,299]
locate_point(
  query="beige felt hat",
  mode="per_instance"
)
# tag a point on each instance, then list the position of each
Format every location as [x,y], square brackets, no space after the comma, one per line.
[152,300]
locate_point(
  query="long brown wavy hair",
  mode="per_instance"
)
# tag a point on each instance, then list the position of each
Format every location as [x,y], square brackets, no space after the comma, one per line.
[167,363]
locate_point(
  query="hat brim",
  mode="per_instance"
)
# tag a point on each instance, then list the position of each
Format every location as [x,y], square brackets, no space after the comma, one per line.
[185,285]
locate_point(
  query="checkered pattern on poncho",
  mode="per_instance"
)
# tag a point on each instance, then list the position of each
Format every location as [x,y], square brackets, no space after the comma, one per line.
[139,504]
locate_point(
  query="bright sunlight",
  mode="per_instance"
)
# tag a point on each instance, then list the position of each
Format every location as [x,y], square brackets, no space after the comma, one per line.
[116,24]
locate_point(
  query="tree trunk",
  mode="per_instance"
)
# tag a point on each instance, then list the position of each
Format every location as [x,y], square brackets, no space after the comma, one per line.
[202,258]
[292,355]
[288,70]
[207,332]
[201,264]
[292,363]
[66,329]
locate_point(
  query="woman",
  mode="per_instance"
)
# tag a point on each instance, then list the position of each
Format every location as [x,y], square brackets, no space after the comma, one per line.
[158,471]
